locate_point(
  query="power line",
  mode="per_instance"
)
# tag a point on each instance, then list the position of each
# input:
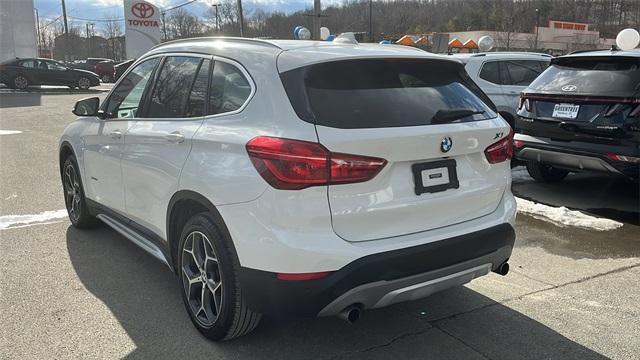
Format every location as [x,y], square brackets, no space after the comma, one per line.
[178,6]
[96,20]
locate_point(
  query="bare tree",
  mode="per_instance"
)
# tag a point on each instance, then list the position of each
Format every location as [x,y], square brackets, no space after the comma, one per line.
[182,24]
[112,30]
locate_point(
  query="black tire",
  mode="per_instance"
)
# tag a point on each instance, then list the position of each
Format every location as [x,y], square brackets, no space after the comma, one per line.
[20,82]
[106,78]
[84,83]
[75,202]
[233,318]
[545,173]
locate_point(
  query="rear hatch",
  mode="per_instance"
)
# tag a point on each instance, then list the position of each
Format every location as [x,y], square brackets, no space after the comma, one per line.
[436,174]
[584,99]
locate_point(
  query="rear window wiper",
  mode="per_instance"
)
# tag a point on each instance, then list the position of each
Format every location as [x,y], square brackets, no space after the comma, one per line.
[451,115]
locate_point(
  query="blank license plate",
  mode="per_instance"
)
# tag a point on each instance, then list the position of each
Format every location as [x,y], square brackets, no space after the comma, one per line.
[566,111]
[435,176]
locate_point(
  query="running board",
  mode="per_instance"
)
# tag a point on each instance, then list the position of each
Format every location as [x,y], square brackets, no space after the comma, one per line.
[135,237]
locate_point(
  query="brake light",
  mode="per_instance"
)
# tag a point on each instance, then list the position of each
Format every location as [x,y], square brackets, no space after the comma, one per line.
[625,158]
[524,103]
[294,164]
[500,151]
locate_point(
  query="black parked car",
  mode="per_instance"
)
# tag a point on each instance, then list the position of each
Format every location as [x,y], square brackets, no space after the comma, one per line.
[582,114]
[122,67]
[21,73]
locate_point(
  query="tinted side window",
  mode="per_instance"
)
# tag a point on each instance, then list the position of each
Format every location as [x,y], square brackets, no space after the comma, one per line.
[28,64]
[522,72]
[229,89]
[195,105]
[171,90]
[491,72]
[125,99]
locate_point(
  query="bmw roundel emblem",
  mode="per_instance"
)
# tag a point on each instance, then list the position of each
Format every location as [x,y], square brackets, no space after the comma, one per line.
[446,144]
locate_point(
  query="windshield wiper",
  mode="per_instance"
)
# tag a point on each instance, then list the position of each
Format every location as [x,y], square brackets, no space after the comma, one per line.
[451,115]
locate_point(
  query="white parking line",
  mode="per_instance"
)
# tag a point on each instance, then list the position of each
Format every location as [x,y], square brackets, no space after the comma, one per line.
[46,217]
[10,132]
[562,216]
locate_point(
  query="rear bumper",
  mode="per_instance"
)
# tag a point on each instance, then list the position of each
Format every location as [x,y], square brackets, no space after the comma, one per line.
[576,157]
[382,279]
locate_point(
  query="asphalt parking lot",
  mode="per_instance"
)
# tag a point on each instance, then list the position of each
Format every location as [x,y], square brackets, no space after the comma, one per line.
[572,292]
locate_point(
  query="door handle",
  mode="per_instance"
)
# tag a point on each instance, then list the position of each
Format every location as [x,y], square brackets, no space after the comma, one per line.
[174,137]
[116,134]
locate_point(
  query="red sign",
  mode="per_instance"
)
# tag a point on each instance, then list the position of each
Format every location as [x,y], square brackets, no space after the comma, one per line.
[142,10]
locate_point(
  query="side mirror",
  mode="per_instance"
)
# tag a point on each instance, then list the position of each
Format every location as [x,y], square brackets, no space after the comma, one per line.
[87,107]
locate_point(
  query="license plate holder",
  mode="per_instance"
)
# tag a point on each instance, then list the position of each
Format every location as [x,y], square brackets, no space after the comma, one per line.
[436,171]
[565,111]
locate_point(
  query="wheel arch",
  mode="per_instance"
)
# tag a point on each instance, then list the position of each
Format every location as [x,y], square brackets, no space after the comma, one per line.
[65,150]
[183,205]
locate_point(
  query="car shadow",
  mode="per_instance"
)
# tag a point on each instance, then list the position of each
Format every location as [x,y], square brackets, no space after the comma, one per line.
[144,296]
[614,198]
[8,100]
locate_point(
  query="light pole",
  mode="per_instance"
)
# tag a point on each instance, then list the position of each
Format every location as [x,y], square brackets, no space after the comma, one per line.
[217,23]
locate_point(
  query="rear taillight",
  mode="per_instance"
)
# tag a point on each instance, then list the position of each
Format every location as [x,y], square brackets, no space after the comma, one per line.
[294,164]
[624,158]
[500,151]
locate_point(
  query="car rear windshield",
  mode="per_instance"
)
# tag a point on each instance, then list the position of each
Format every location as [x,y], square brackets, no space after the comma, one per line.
[375,93]
[613,76]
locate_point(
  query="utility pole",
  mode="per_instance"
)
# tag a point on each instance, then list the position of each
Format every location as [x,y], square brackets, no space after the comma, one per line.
[66,32]
[240,18]
[537,26]
[371,20]
[39,33]
[88,42]
[315,32]
[164,26]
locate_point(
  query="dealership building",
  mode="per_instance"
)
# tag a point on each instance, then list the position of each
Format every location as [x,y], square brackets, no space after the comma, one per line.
[559,37]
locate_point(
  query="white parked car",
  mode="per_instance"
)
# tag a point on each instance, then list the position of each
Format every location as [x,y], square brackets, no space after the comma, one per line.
[296,178]
[503,76]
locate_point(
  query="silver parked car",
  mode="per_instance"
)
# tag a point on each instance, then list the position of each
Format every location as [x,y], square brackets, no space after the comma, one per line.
[503,75]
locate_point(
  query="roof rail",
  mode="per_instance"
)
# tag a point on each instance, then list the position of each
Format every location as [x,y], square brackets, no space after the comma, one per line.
[511,52]
[584,51]
[224,38]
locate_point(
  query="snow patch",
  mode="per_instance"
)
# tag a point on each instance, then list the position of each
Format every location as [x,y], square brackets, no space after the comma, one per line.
[10,132]
[562,216]
[46,217]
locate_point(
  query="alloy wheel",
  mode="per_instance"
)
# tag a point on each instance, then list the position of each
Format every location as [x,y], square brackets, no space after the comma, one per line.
[21,82]
[84,83]
[72,191]
[201,278]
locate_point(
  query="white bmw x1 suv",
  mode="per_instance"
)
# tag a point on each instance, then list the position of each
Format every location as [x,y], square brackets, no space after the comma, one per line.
[296,178]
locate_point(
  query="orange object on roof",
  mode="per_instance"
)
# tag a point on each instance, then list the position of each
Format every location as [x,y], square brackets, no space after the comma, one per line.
[455,43]
[422,41]
[470,44]
[406,40]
